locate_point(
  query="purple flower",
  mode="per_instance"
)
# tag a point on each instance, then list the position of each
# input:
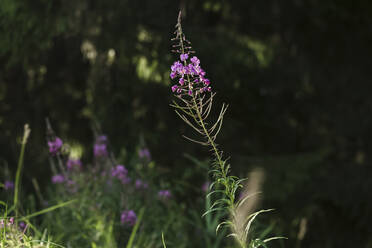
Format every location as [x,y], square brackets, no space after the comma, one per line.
[144,153]
[11,221]
[55,145]
[173,75]
[138,183]
[176,66]
[205,186]
[196,77]
[101,139]
[184,56]
[119,170]
[100,150]
[8,185]
[141,184]
[164,194]
[22,225]
[59,178]
[121,173]
[73,163]
[195,61]
[128,217]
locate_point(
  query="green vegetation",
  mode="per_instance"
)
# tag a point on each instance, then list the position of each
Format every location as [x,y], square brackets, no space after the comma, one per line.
[296,77]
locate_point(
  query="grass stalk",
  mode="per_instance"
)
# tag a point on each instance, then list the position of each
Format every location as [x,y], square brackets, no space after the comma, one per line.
[17,187]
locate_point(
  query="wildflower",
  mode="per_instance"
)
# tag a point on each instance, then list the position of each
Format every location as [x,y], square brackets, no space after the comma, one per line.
[205,186]
[128,217]
[184,56]
[195,61]
[100,146]
[164,194]
[119,170]
[141,184]
[11,221]
[195,80]
[176,67]
[59,178]
[172,75]
[101,139]
[55,145]
[144,153]
[22,225]
[73,163]
[121,173]
[8,185]
[100,150]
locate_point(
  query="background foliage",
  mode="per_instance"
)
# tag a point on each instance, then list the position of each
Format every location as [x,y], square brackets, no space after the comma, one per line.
[295,74]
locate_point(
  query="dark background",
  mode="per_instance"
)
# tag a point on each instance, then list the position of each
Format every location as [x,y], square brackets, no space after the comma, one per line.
[295,74]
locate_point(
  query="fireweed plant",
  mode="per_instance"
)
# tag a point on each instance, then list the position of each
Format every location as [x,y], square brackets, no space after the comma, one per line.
[193,104]
[17,230]
[117,204]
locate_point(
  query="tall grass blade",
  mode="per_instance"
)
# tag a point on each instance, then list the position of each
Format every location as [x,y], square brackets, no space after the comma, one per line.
[26,134]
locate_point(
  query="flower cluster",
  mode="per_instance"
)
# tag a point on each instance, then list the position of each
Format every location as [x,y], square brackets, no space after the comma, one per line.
[55,145]
[128,217]
[100,147]
[59,178]
[164,194]
[141,184]
[9,222]
[8,185]
[191,77]
[73,164]
[144,153]
[121,173]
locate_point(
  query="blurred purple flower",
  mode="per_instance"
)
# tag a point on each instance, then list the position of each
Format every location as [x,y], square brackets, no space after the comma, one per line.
[164,194]
[59,178]
[73,163]
[205,186]
[121,173]
[8,185]
[119,170]
[11,221]
[101,139]
[141,184]
[22,225]
[100,150]
[144,153]
[128,217]
[55,145]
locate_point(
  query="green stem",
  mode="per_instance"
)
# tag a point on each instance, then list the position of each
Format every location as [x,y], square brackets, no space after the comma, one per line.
[26,133]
